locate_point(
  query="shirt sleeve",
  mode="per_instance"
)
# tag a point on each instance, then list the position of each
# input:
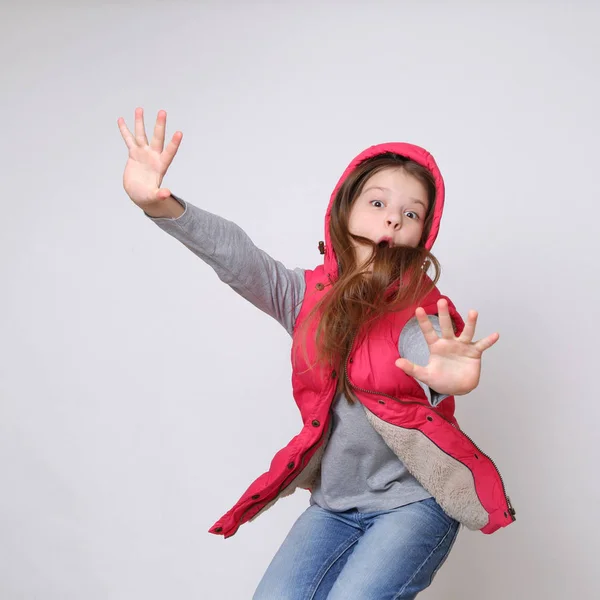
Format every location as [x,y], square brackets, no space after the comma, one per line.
[413,347]
[238,262]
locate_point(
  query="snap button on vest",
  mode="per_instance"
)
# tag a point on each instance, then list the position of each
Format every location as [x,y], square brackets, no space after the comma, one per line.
[319,286]
[256,497]
[291,465]
[316,423]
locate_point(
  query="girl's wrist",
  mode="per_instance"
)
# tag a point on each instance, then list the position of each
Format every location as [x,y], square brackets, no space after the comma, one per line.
[164,209]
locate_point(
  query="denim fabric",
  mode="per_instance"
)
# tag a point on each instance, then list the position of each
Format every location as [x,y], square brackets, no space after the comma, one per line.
[385,555]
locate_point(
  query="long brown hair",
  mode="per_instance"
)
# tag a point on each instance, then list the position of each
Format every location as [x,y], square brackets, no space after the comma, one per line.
[360,295]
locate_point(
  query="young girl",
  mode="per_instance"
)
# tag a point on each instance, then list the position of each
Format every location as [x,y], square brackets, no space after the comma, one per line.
[378,355]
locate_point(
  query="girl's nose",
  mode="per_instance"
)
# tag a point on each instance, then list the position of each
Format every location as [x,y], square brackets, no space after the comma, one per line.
[394,221]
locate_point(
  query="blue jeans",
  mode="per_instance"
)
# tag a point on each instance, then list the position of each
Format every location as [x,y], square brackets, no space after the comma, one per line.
[387,555]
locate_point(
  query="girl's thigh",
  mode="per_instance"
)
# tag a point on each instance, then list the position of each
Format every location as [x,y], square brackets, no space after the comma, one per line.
[398,555]
[310,558]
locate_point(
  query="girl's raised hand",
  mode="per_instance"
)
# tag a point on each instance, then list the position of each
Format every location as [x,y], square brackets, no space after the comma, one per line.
[454,362]
[147,162]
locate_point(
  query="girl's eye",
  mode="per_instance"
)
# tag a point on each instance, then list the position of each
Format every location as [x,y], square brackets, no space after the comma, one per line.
[377,203]
[413,213]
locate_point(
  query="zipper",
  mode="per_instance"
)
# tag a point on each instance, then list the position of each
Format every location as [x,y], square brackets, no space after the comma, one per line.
[511,510]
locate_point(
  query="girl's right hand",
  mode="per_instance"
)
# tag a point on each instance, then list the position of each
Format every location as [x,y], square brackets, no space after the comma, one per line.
[147,163]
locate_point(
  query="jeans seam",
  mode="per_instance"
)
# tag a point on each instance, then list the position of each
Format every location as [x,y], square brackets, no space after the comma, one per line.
[426,560]
[338,556]
[433,573]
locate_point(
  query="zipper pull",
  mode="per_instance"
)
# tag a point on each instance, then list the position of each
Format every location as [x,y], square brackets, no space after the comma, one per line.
[511,511]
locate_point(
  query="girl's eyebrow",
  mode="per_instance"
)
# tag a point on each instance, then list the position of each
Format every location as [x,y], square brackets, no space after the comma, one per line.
[384,189]
[377,187]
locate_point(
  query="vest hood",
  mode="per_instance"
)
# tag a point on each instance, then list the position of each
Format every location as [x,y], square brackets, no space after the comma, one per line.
[416,153]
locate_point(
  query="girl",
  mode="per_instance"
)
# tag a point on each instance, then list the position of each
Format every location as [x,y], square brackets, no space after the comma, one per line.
[378,355]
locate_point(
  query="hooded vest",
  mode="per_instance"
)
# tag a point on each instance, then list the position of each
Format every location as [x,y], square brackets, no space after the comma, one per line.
[428,440]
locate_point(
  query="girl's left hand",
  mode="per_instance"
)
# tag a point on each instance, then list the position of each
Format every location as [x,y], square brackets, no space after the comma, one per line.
[454,362]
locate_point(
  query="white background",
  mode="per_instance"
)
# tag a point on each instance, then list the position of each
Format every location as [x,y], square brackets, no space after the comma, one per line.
[139,396]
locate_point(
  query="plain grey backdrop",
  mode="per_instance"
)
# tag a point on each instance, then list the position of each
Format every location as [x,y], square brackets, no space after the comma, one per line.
[139,396]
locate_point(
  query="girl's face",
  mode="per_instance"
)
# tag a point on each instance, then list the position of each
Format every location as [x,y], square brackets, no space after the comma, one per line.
[390,210]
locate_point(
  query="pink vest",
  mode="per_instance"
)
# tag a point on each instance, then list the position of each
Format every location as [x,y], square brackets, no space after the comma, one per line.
[447,463]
